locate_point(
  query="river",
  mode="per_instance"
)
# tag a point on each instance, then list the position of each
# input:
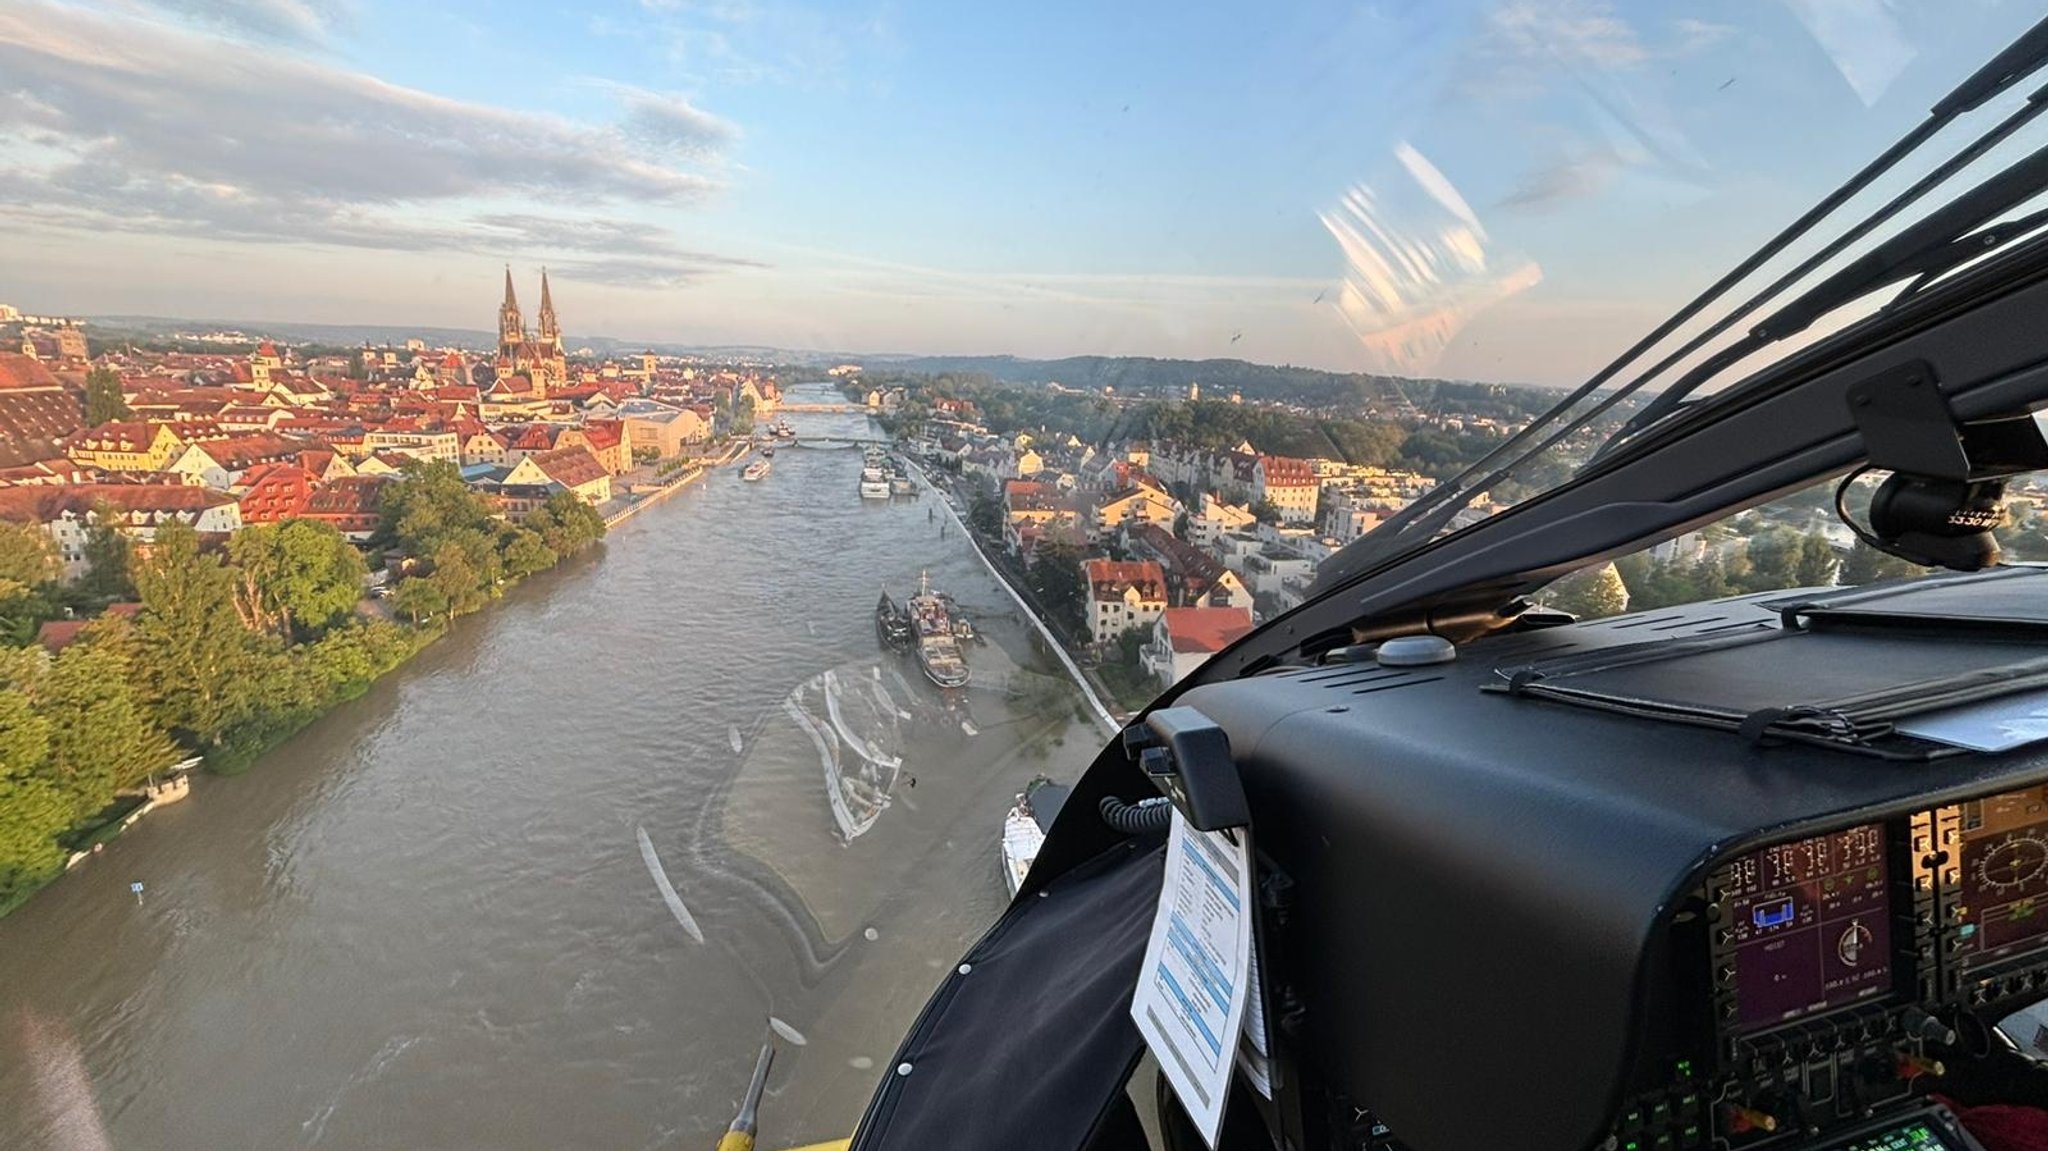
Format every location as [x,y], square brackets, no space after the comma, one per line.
[428,921]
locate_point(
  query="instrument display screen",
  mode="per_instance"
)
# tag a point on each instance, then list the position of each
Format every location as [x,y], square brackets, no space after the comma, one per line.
[1811,926]
[1919,1135]
[2004,877]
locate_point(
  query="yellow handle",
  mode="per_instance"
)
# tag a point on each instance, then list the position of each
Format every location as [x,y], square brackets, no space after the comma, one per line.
[736,1141]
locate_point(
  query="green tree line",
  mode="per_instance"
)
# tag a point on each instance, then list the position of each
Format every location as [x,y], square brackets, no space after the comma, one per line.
[1206,424]
[233,648]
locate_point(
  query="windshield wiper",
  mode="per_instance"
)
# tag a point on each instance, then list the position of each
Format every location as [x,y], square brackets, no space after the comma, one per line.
[1950,236]
[1429,514]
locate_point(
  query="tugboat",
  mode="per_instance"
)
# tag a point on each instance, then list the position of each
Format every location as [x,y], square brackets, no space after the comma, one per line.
[893,626]
[938,651]
[757,471]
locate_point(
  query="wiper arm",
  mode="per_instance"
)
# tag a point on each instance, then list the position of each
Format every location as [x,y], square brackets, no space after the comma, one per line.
[1951,235]
[1433,510]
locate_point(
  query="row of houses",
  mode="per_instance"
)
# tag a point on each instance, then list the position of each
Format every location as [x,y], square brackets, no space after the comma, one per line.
[220,441]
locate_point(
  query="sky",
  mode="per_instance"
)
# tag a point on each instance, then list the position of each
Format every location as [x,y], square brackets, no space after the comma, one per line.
[1492,189]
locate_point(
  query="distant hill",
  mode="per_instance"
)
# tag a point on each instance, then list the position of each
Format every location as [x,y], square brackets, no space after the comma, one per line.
[1144,375]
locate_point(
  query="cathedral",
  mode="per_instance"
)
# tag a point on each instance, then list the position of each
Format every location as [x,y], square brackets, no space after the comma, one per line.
[538,355]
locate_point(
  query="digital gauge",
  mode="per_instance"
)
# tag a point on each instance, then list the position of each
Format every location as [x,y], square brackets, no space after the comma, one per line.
[1810,925]
[2004,911]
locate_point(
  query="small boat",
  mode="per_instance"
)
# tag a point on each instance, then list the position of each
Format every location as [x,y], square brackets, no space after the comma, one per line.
[757,471]
[768,452]
[893,626]
[902,485]
[938,650]
[872,485]
[782,431]
[1025,825]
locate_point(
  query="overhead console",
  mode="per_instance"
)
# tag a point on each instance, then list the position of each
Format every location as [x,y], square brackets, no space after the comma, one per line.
[1676,880]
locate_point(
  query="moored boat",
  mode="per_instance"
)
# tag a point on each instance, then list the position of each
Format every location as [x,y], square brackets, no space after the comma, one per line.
[1025,825]
[757,471]
[938,650]
[873,486]
[893,626]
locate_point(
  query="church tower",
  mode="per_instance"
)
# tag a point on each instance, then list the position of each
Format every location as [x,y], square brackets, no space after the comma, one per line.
[512,326]
[549,366]
[550,331]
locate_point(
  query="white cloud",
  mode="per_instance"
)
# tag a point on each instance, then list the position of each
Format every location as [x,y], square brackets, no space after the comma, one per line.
[288,20]
[1700,35]
[1574,33]
[122,123]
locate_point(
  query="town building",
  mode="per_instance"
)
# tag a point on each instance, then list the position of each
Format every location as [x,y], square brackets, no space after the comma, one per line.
[125,446]
[1184,638]
[1290,485]
[1122,596]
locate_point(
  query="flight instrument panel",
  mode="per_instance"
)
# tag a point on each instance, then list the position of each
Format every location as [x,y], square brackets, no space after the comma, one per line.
[1838,968]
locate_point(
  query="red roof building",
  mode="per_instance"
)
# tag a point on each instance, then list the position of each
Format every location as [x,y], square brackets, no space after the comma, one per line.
[276,492]
[1185,637]
[350,504]
[1122,596]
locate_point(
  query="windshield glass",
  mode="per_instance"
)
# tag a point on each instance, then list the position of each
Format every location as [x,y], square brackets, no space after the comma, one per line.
[542,548]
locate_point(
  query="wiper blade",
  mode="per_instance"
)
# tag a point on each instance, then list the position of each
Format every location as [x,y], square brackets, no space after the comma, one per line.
[1952,235]
[1423,519]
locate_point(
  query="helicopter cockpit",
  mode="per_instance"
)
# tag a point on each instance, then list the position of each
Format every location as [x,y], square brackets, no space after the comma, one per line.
[1768,871]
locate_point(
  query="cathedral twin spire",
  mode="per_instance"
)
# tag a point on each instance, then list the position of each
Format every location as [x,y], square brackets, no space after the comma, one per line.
[539,354]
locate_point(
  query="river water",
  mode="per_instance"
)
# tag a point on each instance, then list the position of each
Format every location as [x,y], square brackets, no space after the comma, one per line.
[432,921]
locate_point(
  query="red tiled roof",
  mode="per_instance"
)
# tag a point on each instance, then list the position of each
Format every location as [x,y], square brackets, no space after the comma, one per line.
[238,452]
[277,494]
[19,371]
[570,467]
[42,504]
[1284,471]
[1206,630]
[115,436]
[1109,578]
[350,502]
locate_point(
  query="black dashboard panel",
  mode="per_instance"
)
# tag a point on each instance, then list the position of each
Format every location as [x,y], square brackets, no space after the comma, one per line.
[1732,942]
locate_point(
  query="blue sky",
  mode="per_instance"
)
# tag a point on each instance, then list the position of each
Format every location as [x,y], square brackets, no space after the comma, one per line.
[1489,189]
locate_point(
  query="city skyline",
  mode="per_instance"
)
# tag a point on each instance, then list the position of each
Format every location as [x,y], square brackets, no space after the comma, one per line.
[1463,190]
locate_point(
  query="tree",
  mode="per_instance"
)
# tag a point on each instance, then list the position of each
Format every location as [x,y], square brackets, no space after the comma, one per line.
[298,577]
[1055,578]
[566,523]
[33,810]
[1817,562]
[1865,564]
[109,559]
[419,599]
[1265,511]
[355,366]
[1590,593]
[425,505]
[986,514]
[27,560]
[101,737]
[195,660]
[103,399]
[525,552]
